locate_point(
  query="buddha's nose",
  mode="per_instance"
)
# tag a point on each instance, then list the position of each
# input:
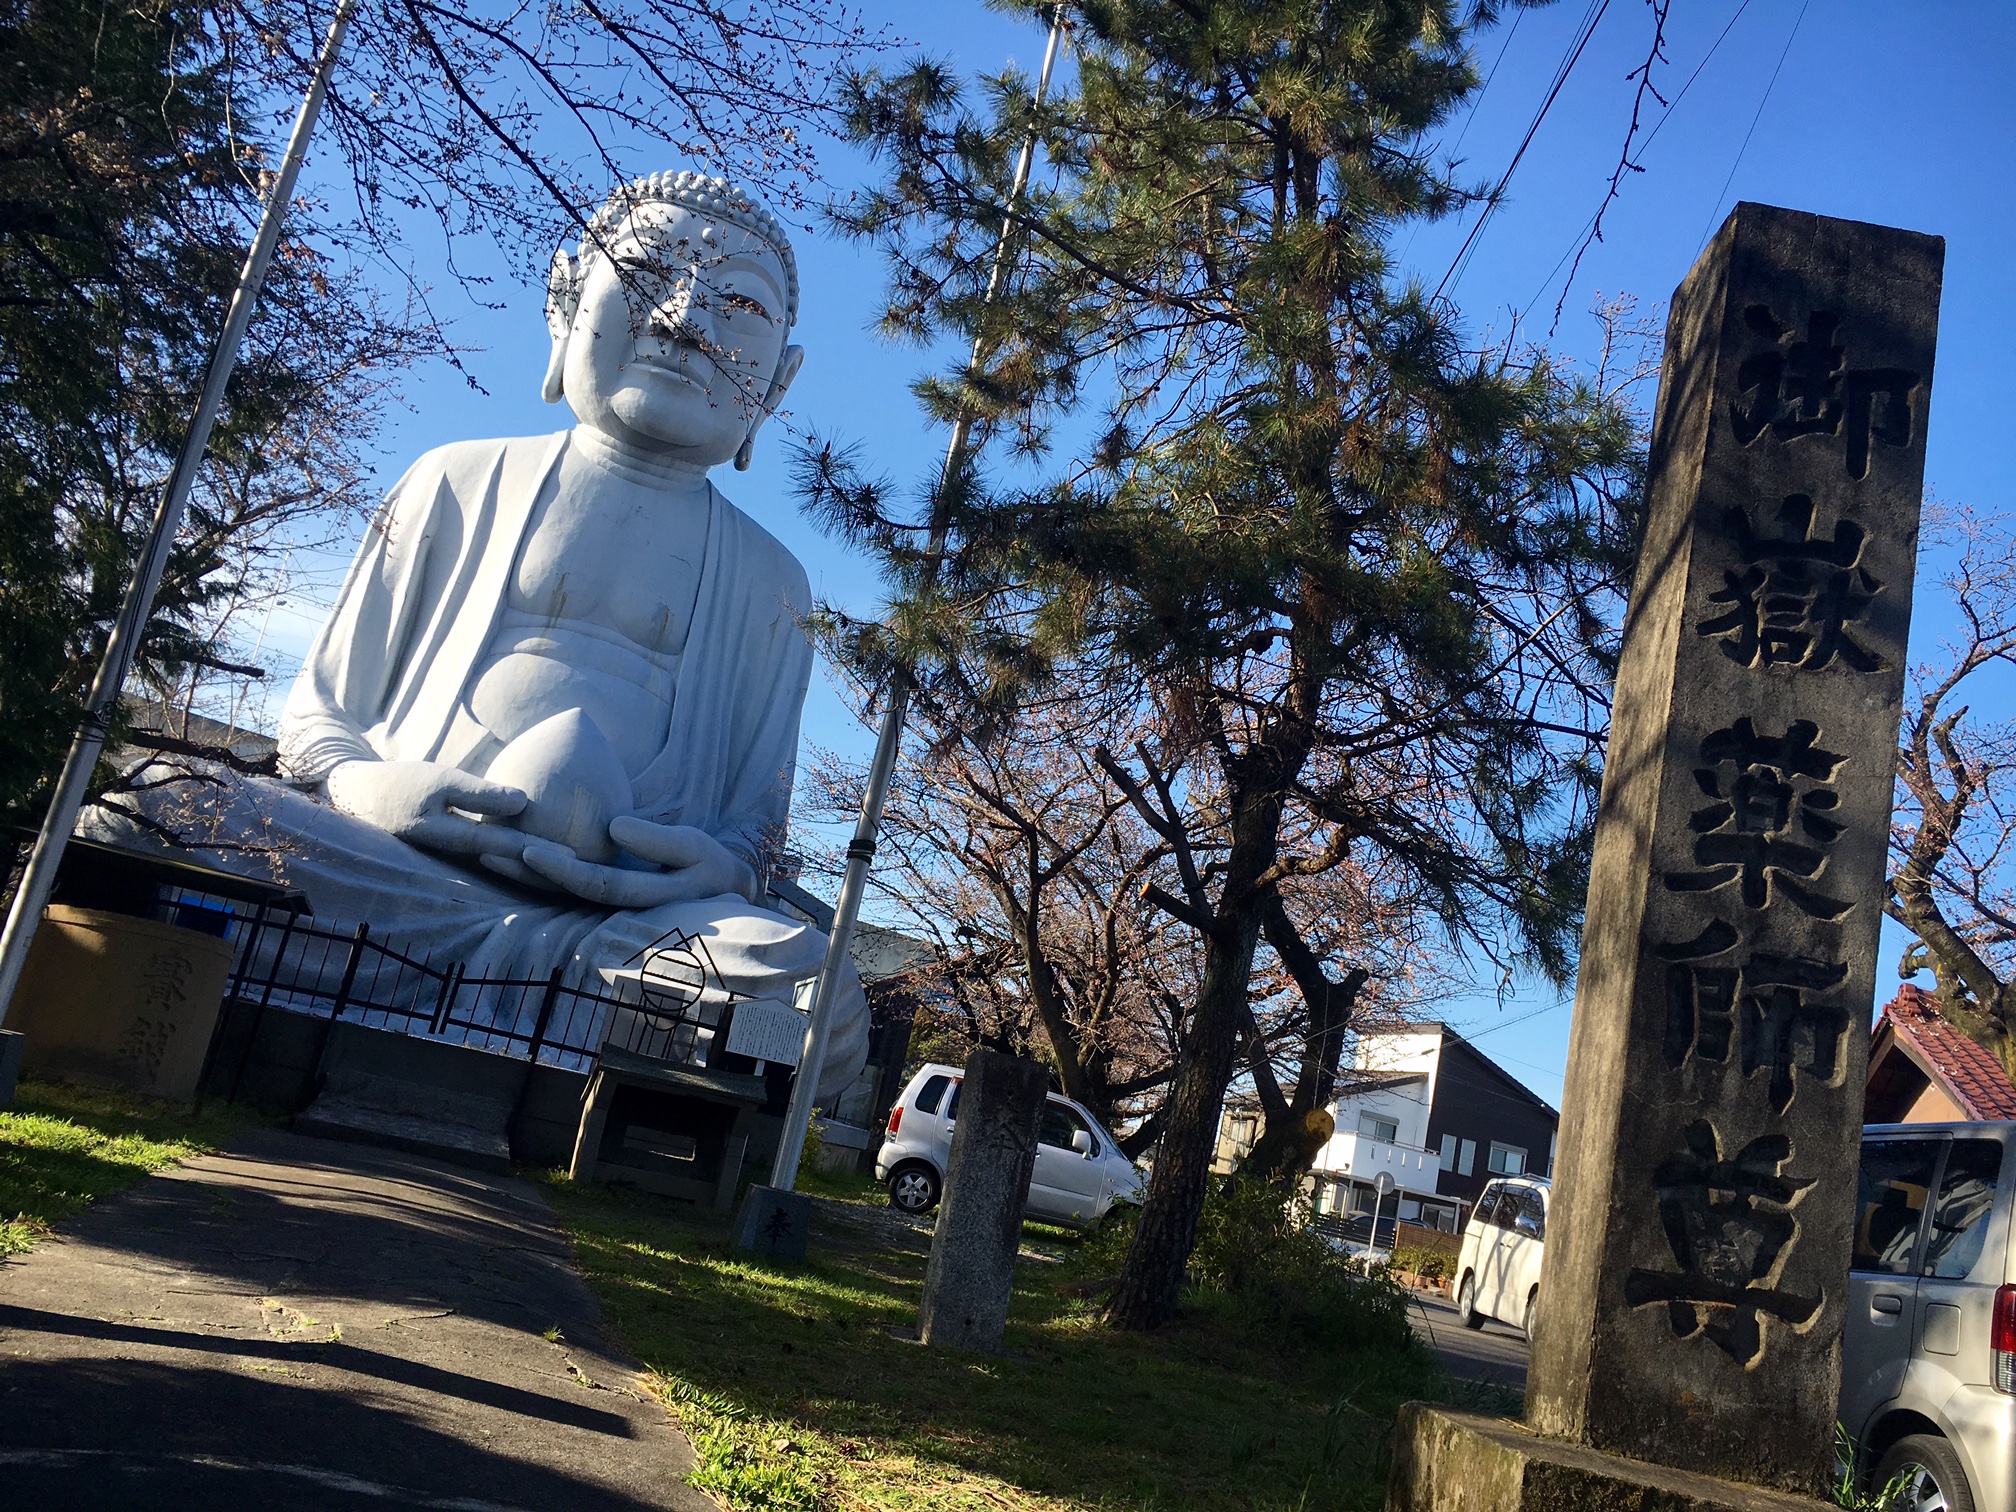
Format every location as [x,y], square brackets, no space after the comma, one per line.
[673,320]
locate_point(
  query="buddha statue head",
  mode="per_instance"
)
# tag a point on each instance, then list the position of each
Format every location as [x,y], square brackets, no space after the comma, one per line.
[670,325]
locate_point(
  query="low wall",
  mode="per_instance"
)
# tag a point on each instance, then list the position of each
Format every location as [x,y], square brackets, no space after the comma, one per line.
[1415,1236]
[275,1061]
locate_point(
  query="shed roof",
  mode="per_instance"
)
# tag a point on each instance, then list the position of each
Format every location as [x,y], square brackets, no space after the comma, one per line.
[1962,1069]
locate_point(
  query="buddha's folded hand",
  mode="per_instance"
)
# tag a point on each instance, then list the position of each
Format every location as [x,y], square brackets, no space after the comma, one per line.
[696,866]
[419,801]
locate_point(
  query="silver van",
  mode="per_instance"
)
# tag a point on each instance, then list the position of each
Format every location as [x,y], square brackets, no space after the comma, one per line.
[1928,1359]
[1079,1176]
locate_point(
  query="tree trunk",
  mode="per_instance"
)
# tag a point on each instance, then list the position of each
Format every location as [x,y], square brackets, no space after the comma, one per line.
[1294,1134]
[1961,972]
[1151,1278]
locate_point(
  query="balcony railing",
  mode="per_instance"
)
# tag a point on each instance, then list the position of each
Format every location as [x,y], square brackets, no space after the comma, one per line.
[1362,1158]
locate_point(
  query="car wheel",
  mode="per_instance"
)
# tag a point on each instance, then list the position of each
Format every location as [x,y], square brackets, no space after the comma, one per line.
[1466,1302]
[1532,1314]
[913,1189]
[1927,1475]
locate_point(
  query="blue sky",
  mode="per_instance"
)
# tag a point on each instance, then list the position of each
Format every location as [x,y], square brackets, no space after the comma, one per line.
[1900,114]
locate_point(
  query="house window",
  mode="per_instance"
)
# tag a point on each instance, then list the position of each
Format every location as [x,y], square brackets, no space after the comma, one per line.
[1448,1152]
[1466,1162]
[1507,1160]
[1372,1126]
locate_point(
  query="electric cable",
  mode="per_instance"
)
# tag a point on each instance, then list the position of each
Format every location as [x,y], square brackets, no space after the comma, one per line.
[1791,36]
[1485,88]
[1577,45]
[1470,120]
[1650,137]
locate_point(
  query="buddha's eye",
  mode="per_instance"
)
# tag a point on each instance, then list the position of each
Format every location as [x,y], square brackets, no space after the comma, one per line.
[634,264]
[742,304]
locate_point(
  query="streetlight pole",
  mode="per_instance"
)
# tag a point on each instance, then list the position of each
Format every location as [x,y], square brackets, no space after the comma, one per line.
[121,646]
[861,849]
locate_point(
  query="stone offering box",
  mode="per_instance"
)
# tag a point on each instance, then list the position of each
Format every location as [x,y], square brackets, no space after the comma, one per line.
[681,1131]
[131,965]
[116,1001]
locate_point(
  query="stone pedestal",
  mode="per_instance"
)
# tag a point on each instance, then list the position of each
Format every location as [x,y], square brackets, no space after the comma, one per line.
[683,1131]
[972,1268]
[1447,1461]
[401,1114]
[11,1043]
[1698,1236]
[116,1001]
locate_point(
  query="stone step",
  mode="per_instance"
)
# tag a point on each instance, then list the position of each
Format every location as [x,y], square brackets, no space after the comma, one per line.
[463,1127]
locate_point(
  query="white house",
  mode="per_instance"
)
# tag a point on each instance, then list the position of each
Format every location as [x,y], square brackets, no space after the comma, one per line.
[1423,1106]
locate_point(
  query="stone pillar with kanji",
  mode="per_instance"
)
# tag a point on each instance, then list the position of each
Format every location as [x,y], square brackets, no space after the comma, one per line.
[1699,1231]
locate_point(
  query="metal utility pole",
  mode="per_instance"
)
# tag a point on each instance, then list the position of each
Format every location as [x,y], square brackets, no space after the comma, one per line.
[861,850]
[124,641]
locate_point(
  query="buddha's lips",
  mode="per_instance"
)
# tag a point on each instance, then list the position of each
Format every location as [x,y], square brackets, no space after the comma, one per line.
[677,375]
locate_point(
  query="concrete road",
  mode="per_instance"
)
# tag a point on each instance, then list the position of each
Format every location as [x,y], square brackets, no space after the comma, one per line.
[1495,1353]
[302,1324]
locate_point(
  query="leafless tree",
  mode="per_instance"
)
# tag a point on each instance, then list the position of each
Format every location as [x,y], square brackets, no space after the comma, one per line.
[509,122]
[1953,835]
[1025,870]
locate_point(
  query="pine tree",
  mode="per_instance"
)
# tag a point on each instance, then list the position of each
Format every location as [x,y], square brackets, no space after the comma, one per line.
[127,193]
[1364,575]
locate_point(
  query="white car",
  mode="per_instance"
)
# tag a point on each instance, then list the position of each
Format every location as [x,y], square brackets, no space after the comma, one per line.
[1498,1270]
[1080,1173]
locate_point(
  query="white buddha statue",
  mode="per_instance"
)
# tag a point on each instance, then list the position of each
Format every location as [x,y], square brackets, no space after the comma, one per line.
[554,712]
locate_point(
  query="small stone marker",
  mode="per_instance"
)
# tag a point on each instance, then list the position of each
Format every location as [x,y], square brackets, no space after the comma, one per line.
[1699,1232]
[774,1224]
[973,1248]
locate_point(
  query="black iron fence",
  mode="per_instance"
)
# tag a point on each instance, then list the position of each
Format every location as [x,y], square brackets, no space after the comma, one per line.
[673,1008]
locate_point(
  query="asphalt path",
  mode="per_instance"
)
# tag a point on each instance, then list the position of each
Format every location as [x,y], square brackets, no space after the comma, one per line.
[1495,1353]
[296,1324]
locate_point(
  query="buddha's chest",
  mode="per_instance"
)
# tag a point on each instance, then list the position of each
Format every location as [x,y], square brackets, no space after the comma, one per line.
[623,559]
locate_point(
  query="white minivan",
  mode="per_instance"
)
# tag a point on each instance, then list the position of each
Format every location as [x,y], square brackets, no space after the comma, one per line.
[1498,1271]
[1080,1173]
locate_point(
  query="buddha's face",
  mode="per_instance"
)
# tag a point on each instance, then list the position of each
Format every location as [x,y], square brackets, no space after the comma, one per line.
[678,343]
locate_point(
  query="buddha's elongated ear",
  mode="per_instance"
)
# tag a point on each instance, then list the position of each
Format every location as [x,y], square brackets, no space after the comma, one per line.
[789,361]
[563,298]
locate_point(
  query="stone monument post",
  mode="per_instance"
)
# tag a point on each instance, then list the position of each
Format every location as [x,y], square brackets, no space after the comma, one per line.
[1698,1236]
[979,1231]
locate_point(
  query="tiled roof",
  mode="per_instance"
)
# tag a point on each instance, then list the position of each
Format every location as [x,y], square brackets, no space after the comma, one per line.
[1973,1077]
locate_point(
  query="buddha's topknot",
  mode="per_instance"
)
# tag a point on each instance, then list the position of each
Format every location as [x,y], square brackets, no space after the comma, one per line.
[710,196]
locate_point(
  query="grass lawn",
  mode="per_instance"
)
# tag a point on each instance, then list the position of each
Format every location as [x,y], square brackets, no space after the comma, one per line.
[64,1147]
[800,1394]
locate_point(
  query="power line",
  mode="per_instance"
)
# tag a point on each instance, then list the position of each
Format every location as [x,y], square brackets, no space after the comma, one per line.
[1532,1013]
[1651,136]
[1716,208]
[1485,88]
[1476,103]
[1577,44]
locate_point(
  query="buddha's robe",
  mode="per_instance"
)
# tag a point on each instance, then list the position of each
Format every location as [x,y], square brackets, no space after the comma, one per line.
[389,677]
